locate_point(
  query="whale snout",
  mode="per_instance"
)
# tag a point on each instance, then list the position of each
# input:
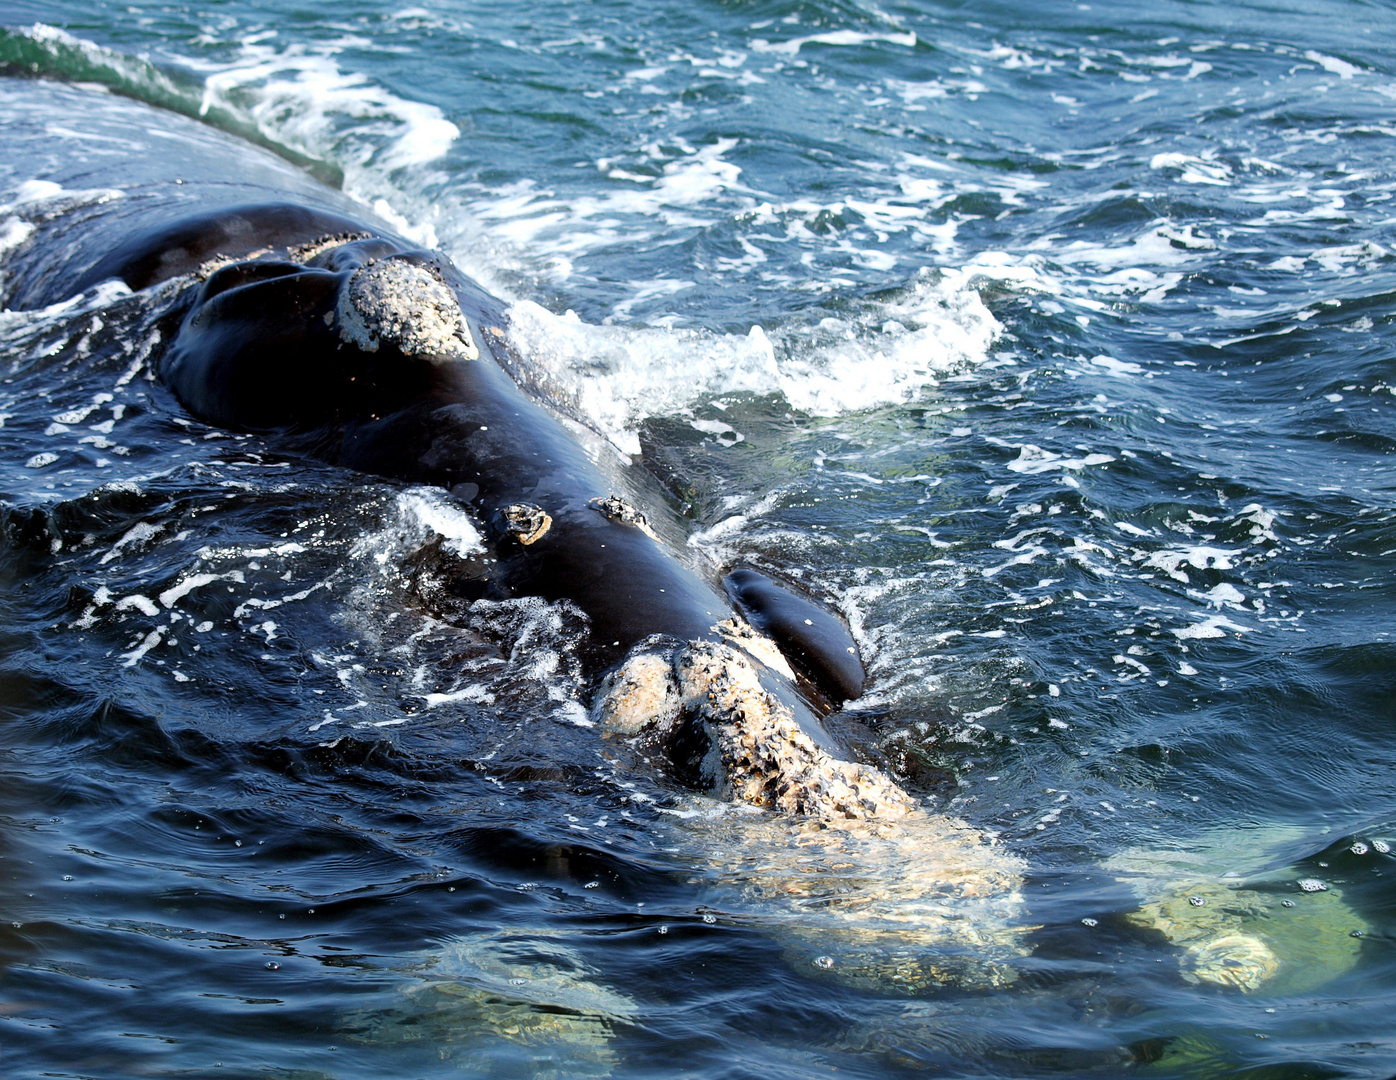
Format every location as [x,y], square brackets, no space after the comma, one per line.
[348,328]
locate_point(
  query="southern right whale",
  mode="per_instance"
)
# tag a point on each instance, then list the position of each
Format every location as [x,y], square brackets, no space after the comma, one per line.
[333,337]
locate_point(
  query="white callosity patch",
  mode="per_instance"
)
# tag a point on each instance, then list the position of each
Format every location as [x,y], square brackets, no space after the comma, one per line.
[738,632]
[643,692]
[399,303]
[762,756]
[767,760]
[887,895]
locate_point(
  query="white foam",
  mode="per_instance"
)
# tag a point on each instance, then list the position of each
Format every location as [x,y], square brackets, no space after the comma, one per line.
[834,38]
[941,327]
[688,178]
[35,191]
[1116,367]
[1171,561]
[1193,170]
[146,644]
[1261,521]
[301,94]
[139,534]
[1214,626]
[430,509]
[14,232]
[1033,460]
[258,603]
[297,96]
[1349,259]
[1226,595]
[618,375]
[1341,68]
[725,434]
[137,602]
[177,592]
[473,694]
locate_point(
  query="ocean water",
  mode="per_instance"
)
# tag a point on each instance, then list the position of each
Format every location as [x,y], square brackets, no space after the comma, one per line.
[1051,345]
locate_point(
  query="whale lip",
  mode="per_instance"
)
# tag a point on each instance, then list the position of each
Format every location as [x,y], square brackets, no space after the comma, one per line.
[395,301]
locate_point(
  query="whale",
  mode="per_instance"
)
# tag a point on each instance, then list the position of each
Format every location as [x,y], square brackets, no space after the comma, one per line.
[330,336]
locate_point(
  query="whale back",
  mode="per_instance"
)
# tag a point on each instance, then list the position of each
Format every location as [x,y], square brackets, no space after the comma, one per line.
[181,247]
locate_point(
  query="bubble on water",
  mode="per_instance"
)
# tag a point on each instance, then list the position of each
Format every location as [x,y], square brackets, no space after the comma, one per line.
[237,843]
[1090,922]
[1359,848]
[272,965]
[592,885]
[663,929]
[517,982]
[1286,903]
[1381,846]
[824,962]
[710,918]
[1313,885]
[1197,901]
[67,877]
[1355,933]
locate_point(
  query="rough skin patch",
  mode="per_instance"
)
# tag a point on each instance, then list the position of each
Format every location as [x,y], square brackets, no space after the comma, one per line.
[615,508]
[1242,961]
[400,303]
[1249,940]
[511,996]
[641,692]
[766,759]
[759,754]
[860,883]
[1251,934]
[524,522]
[738,632]
[303,253]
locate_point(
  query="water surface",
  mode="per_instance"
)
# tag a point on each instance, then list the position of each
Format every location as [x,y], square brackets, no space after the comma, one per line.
[1052,347]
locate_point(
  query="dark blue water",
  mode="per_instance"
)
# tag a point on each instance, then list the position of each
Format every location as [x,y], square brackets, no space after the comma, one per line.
[1051,346]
